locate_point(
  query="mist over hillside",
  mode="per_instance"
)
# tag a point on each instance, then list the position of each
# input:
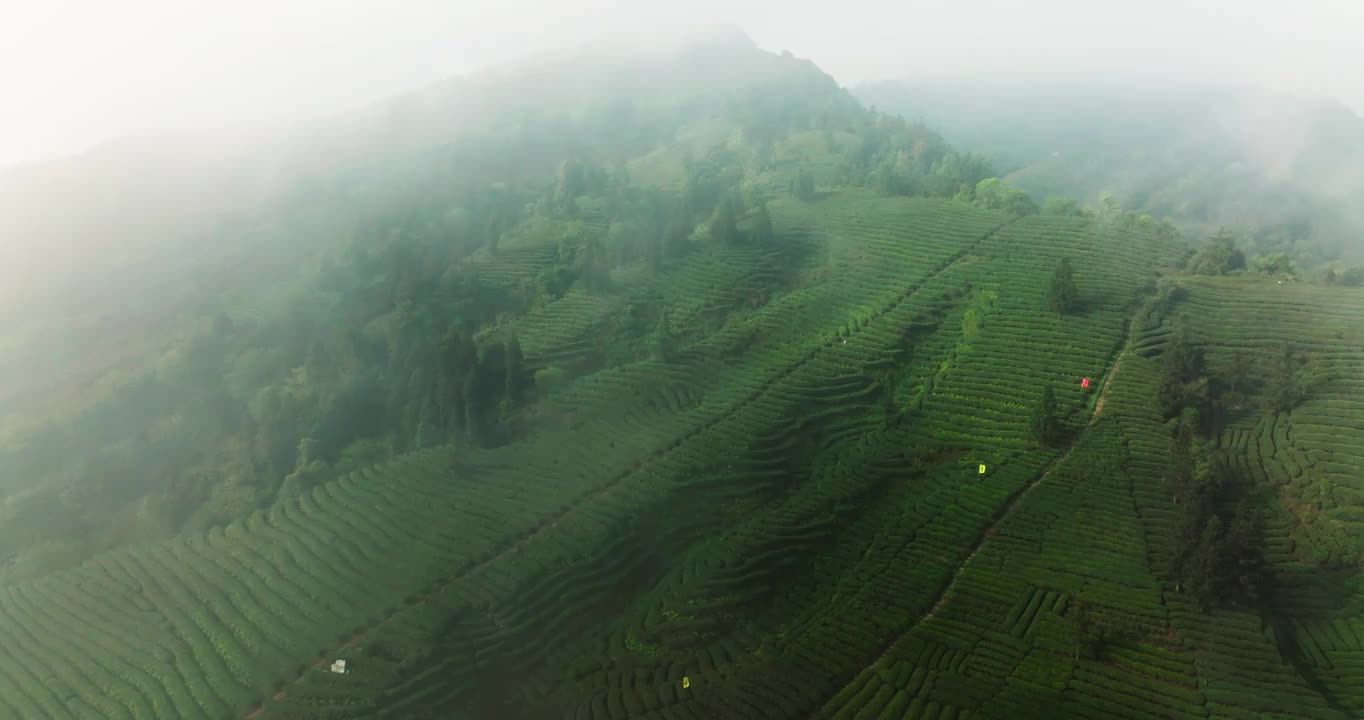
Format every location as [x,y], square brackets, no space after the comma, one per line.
[1281,166]
[165,317]
[128,202]
[676,382]
[131,242]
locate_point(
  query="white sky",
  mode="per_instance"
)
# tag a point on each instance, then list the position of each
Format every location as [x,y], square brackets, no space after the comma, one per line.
[76,72]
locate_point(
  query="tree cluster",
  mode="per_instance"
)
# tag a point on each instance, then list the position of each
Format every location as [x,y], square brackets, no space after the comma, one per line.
[1060,206]
[995,194]
[1344,276]
[901,158]
[1282,389]
[1188,386]
[1216,550]
[1218,256]
[1274,265]
[1184,383]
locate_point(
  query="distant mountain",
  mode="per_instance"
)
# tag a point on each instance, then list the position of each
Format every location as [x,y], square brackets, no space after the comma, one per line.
[1287,167]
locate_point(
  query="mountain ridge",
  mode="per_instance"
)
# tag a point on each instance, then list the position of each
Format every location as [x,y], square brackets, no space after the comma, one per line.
[689,390]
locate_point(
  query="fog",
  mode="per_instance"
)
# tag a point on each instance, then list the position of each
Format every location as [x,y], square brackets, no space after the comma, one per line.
[211,107]
[75,73]
[248,247]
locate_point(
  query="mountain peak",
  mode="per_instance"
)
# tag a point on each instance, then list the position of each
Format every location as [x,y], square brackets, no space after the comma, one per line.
[730,36]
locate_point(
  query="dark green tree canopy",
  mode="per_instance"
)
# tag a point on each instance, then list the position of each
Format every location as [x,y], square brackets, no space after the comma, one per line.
[1184,384]
[762,232]
[1062,295]
[1046,425]
[1283,390]
[996,194]
[1219,255]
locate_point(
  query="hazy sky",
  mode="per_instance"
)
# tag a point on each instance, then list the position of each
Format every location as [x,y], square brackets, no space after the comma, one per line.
[76,72]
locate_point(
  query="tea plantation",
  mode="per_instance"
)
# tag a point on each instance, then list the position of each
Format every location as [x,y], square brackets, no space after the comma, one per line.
[828,502]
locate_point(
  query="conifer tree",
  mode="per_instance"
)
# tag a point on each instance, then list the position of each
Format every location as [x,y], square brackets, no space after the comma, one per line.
[1062,293]
[723,225]
[762,225]
[1045,425]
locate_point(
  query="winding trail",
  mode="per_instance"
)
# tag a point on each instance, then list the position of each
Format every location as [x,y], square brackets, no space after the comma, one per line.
[1014,502]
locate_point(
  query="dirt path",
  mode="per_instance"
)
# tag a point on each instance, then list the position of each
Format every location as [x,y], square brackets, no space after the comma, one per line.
[1017,500]
[1103,393]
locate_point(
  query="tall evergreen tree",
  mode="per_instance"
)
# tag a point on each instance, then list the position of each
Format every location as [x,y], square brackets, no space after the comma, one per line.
[472,394]
[592,265]
[1235,381]
[1183,383]
[1282,389]
[1045,424]
[724,223]
[516,374]
[1062,294]
[663,337]
[762,225]
[1200,573]
[1243,548]
[571,183]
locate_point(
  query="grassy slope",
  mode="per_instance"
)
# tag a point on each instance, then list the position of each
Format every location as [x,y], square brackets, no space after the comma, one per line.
[1309,460]
[1000,646]
[732,516]
[787,514]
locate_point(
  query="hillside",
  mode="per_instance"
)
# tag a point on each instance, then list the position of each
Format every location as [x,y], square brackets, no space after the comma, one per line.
[724,397]
[406,282]
[843,432]
[1282,168]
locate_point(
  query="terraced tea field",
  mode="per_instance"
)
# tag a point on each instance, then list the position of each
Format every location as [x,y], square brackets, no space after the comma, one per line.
[1315,454]
[1311,459]
[786,519]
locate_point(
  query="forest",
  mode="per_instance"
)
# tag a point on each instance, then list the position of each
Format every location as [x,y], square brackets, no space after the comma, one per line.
[684,384]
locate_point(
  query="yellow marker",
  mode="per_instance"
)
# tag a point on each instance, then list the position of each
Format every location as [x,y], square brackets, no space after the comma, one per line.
[686,681]
[982,469]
